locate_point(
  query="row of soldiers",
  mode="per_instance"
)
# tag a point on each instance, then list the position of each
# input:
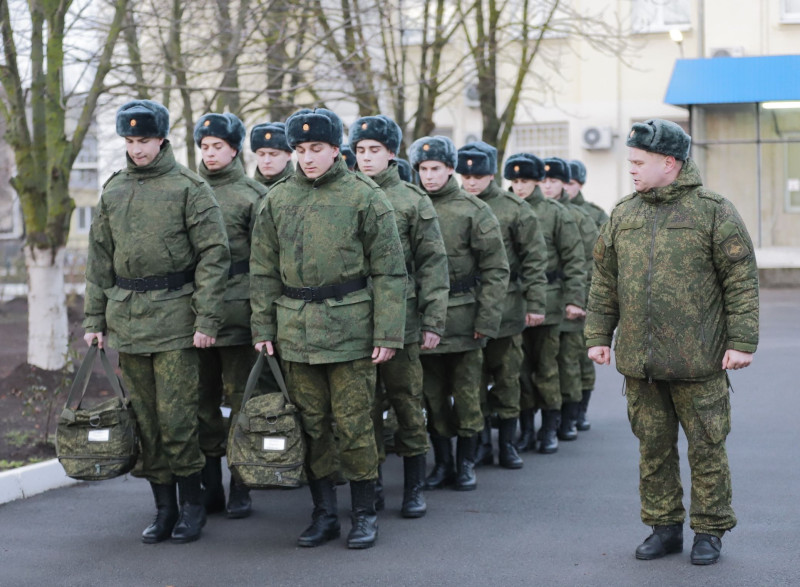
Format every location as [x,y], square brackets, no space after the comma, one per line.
[453,305]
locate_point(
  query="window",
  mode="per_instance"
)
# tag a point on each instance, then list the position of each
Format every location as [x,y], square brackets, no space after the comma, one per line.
[83,219]
[790,11]
[653,16]
[549,139]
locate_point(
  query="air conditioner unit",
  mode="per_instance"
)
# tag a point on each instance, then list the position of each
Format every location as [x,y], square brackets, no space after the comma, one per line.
[735,51]
[472,98]
[597,138]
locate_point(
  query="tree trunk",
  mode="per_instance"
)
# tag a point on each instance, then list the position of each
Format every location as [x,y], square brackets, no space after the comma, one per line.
[48,332]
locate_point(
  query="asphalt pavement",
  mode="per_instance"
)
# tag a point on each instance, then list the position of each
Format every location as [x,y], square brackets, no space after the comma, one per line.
[566,519]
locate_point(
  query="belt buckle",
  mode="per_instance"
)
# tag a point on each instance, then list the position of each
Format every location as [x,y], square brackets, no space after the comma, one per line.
[139,285]
[307,293]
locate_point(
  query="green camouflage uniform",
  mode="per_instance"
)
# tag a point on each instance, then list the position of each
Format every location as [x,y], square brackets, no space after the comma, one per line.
[566,284]
[155,220]
[527,259]
[309,233]
[474,246]
[268,182]
[224,368]
[426,309]
[676,274]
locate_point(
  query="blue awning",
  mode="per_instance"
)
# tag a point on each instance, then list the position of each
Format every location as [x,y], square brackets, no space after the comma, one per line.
[733,80]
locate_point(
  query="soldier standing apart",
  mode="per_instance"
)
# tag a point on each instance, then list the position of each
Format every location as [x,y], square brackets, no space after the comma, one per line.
[577,173]
[676,275]
[571,342]
[376,140]
[273,154]
[328,286]
[478,271]
[155,279]
[225,366]
[566,296]
[524,303]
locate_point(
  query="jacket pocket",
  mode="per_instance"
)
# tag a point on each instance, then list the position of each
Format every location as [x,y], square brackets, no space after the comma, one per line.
[160,295]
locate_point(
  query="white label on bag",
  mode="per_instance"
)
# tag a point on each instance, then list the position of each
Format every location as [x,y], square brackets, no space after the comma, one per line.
[226,411]
[272,443]
[102,435]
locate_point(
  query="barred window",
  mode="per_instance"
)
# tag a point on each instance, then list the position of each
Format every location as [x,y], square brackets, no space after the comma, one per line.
[549,139]
[652,16]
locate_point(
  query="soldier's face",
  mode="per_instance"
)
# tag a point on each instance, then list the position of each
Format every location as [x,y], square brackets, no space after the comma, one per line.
[372,156]
[272,161]
[572,188]
[523,187]
[142,150]
[433,175]
[216,153]
[650,170]
[315,158]
[475,184]
[552,187]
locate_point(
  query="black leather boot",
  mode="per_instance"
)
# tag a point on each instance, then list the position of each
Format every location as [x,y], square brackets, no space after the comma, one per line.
[364,530]
[414,505]
[239,502]
[193,512]
[705,549]
[664,540]
[509,459]
[380,498]
[444,471]
[527,438]
[551,419]
[582,423]
[465,463]
[211,476]
[484,455]
[325,518]
[166,514]
[569,415]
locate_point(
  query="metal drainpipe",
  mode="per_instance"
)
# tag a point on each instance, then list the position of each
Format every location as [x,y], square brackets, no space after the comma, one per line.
[758,170]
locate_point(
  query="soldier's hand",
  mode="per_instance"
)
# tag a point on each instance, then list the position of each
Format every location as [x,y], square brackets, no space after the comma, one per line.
[478,335]
[430,340]
[381,354]
[203,341]
[268,344]
[736,359]
[534,319]
[574,312]
[600,355]
[90,336]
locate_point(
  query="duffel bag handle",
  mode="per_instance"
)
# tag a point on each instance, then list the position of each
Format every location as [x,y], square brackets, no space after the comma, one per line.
[255,374]
[81,381]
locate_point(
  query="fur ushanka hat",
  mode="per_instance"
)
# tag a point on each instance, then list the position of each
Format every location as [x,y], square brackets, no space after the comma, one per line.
[269,135]
[524,166]
[436,148]
[660,136]
[226,126]
[557,168]
[477,158]
[318,125]
[377,128]
[143,118]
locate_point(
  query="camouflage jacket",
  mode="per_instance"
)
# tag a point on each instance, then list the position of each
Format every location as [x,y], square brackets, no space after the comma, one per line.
[477,267]
[331,230]
[425,257]
[238,197]
[676,272]
[589,233]
[155,220]
[268,182]
[596,212]
[566,269]
[527,258]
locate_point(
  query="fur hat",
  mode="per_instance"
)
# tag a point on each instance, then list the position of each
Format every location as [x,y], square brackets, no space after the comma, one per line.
[484,164]
[436,148]
[143,118]
[524,166]
[404,170]
[348,156]
[318,125]
[577,170]
[378,128]
[557,168]
[269,135]
[226,126]
[660,136]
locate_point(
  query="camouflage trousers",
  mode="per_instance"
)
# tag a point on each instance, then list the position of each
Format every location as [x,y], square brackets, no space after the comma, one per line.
[336,403]
[163,391]
[703,411]
[539,378]
[402,390]
[502,361]
[570,349]
[451,385]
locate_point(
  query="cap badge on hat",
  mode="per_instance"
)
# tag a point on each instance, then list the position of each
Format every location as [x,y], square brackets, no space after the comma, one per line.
[426,147]
[207,123]
[133,122]
[547,168]
[268,136]
[633,132]
[306,127]
[516,167]
[364,126]
[469,162]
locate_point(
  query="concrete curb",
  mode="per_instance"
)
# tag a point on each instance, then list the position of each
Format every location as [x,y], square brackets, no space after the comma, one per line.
[33,479]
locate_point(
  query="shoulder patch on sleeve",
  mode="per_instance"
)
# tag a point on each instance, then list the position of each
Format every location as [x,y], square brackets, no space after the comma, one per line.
[113,175]
[735,248]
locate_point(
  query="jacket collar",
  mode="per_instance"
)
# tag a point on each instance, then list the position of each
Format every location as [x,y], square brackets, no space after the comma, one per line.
[450,188]
[226,175]
[389,177]
[163,162]
[268,181]
[337,170]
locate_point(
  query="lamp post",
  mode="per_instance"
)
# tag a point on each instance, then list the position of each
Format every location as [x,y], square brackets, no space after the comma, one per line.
[677,37]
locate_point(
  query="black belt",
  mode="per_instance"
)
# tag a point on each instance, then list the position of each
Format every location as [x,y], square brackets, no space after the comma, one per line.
[464,285]
[170,281]
[323,292]
[239,267]
[554,276]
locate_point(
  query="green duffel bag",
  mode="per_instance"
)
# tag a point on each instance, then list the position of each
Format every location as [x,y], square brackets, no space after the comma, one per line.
[266,447]
[101,442]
